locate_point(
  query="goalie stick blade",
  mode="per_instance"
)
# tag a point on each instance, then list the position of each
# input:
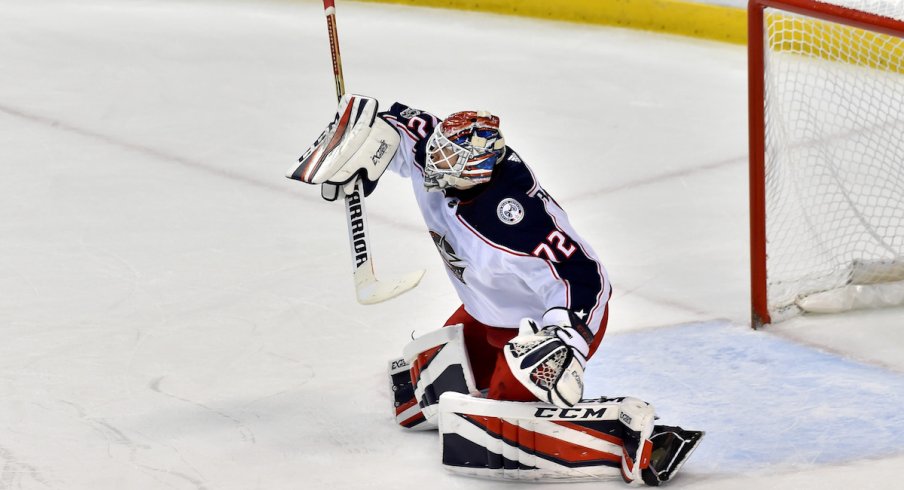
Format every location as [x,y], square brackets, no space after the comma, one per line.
[370,291]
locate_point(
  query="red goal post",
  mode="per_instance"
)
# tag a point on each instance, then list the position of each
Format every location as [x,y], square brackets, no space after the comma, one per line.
[759,46]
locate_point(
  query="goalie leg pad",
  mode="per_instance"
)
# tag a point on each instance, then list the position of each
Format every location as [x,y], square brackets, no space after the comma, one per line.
[537,441]
[638,418]
[436,363]
[407,411]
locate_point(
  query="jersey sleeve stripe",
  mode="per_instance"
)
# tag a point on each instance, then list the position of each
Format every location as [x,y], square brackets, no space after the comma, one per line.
[594,325]
[555,274]
[549,263]
[604,283]
[536,185]
[490,243]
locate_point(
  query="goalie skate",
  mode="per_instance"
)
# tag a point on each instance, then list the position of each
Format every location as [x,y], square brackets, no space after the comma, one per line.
[671,448]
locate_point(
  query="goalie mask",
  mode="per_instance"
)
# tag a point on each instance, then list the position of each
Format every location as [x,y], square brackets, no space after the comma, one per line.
[463,150]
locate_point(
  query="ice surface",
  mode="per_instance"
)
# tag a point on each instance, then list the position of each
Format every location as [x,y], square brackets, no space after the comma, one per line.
[177,314]
[753,390]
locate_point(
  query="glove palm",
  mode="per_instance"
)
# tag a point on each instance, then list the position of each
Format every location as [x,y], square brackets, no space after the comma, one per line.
[549,361]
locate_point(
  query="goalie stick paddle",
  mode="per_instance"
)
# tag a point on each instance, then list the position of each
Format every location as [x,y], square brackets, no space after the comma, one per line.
[368,290]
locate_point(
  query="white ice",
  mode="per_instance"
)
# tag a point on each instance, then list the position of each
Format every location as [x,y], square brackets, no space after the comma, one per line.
[176,314]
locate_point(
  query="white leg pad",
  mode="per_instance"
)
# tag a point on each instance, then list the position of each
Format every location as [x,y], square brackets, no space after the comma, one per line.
[437,363]
[534,441]
[639,418]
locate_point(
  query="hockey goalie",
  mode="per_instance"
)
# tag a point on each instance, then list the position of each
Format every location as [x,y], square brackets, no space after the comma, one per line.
[502,381]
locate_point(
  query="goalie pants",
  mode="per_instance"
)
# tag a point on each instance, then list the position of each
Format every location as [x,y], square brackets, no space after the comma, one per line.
[491,371]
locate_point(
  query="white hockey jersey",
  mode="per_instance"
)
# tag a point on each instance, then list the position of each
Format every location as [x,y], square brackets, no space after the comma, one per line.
[509,249]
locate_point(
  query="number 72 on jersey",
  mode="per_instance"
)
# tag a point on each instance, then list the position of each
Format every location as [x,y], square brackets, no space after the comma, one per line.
[555,246]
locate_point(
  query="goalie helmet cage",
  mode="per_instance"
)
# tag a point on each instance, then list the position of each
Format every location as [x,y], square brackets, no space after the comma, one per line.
[826,95]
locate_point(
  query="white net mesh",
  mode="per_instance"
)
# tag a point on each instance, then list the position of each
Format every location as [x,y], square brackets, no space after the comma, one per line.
[893,9]
[522,348]
[834,154]
[544,374]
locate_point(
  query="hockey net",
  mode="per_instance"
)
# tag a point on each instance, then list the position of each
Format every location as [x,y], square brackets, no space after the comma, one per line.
[826,155]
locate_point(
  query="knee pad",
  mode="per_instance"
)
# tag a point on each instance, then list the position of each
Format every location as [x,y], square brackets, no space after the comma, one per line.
[431,365]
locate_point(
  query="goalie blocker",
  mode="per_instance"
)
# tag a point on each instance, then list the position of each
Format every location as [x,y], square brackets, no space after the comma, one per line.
[356,143]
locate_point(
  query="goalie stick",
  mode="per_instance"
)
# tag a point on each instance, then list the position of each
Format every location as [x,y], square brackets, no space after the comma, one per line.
[368,290]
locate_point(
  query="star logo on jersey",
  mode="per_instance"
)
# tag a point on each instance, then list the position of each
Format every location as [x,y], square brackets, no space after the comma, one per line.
[453,262]
[580,314]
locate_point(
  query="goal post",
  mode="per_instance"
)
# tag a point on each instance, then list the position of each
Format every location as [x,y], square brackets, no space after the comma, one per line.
[826,122]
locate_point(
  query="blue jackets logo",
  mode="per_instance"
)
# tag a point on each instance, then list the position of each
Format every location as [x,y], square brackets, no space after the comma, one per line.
[453,262]
[510,211]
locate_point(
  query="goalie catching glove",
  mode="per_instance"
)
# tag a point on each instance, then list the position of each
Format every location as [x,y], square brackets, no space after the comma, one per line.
[357,142]
[550,360]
